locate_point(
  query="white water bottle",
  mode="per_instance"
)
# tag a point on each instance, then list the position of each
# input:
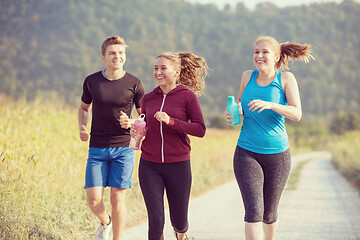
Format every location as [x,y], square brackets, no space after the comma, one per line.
[139,127]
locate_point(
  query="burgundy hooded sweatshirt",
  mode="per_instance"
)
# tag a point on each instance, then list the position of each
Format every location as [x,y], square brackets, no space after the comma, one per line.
[170,143]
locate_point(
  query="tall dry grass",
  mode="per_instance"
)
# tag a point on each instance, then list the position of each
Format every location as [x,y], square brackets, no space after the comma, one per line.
[345,150]
[41,170]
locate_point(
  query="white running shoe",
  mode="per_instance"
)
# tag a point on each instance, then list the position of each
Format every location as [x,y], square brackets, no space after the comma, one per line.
[103,231]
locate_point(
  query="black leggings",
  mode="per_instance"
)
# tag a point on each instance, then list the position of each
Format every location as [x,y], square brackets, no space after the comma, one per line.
[261,179]
[176,179]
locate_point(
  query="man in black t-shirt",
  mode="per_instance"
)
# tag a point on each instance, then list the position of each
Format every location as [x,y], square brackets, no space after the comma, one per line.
[111,93]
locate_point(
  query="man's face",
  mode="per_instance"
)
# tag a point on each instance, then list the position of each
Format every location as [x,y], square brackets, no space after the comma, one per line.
[115,57]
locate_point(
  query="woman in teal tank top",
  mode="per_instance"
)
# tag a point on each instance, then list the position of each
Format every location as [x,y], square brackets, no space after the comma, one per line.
[263,132]
[262,156]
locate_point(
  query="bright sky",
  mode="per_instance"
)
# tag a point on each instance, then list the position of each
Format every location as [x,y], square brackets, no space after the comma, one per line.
[252,3]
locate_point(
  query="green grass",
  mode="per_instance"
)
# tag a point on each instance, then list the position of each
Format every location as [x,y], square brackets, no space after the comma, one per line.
[42,167]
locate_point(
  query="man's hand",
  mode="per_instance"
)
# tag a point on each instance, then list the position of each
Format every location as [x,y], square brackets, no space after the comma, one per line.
[124,120]
[84,135]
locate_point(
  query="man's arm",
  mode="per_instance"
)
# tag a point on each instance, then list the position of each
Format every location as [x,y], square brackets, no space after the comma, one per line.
[83,119]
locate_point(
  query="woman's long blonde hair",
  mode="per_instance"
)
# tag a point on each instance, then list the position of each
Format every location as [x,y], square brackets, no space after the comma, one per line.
[193,69]
[287,51]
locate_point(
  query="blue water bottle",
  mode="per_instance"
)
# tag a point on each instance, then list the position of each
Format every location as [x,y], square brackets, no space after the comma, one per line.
[233,108]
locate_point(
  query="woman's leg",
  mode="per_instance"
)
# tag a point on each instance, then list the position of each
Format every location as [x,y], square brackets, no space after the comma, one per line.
[178,185]
[269,230]
[253,231]
[152,188]
[250,178]
[276,171]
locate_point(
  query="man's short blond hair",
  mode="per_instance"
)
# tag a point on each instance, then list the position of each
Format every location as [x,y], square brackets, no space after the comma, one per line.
[114,40]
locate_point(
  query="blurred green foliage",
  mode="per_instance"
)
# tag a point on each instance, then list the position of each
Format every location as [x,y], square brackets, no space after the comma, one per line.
[345,122]
[51,46]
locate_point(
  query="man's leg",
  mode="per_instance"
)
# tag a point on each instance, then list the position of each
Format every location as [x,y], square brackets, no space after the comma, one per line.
[118,212]
[121,169]
[95,179]
[96,203]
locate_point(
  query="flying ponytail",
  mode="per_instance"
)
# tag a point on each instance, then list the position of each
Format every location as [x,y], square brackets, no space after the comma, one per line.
[287,51]
[193,70]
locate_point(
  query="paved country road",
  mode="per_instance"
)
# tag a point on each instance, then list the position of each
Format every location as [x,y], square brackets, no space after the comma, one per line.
[323,206]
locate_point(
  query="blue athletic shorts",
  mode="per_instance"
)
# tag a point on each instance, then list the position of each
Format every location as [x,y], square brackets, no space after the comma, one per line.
[111,167]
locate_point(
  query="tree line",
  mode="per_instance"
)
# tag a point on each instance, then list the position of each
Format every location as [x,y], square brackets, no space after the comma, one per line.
[49,47]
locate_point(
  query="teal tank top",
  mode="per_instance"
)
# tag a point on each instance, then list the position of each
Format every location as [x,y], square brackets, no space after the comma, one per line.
[263,132]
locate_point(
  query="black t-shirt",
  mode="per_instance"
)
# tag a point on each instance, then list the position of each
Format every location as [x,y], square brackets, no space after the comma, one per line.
[108,98]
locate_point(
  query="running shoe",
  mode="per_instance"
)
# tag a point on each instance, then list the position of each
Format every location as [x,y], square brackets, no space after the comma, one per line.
[103,231]
[186,237]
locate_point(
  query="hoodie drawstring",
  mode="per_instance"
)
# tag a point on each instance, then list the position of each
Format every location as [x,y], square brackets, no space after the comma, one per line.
[161,133]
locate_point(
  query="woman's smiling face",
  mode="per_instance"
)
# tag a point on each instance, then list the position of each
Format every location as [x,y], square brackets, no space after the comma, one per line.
[165,73]
[264,57]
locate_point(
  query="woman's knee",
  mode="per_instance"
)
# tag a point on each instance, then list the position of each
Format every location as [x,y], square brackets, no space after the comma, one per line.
[156,220]
[254,214]
[181,228]
[270,217]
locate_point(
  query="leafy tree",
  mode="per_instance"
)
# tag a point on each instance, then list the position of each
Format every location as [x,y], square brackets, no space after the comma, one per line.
[344,122]
[53,45]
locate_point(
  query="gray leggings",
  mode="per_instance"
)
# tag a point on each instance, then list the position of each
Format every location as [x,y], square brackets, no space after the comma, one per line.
[261,179]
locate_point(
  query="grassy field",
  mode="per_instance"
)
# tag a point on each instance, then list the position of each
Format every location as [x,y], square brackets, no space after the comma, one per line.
[42,167]
[345,150]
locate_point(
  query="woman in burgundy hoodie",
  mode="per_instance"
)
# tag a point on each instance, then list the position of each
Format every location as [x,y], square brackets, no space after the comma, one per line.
[172,111]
